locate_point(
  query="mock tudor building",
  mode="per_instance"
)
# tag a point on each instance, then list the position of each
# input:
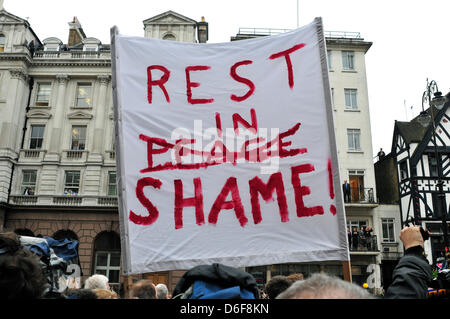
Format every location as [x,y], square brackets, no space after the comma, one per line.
[57,159]
[421,160]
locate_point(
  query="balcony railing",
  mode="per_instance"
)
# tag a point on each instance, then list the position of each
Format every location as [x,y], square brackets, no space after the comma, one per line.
[32,154]
[84,54]
[364,196]
[24,199]
[47,54]
[64,200]
[107,201]
[342,34]
[364,244]
[75,155]
[67,200]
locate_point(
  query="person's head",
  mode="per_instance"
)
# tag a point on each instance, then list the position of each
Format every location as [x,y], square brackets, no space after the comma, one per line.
[161,291]
[21,274]
[323,286]
[96,282]
[143,289]
[294,277]
[277,285]
[104,294]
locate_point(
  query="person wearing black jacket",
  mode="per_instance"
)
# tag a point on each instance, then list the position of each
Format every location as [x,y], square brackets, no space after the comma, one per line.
[412,276]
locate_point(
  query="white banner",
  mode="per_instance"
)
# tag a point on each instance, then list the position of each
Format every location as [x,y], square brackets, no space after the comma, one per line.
[226,152]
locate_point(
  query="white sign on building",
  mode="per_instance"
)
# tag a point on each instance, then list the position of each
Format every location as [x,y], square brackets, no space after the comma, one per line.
[226,152]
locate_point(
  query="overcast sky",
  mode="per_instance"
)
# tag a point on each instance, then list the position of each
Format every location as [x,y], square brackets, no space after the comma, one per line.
[410,38]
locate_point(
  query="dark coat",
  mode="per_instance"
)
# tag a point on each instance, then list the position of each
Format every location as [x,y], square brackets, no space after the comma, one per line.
[411,278]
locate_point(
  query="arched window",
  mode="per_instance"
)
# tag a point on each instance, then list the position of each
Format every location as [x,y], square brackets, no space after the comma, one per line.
[24,232]
[169,37]
[2,43]
[107,257]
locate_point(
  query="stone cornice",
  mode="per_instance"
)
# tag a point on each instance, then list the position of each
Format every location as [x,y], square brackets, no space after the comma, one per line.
[75,63]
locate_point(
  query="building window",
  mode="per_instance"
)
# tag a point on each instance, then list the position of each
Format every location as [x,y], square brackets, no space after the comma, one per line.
[348,60]
[90,48]
[84,98]
[78,138]
[107,257]
[28,186]
[437,205]
[432,163]
[2,43]
[357,190]
[37,136]
[350,99]
[72,183]
[353,136]
[387,226]
[43,94]
[403,170]
[112,186]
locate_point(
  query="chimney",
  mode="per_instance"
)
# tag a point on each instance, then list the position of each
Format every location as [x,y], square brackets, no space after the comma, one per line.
[76,34]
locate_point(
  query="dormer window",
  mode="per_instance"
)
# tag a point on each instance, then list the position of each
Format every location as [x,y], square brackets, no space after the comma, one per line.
[90,48]
[51,47]
[91,45]
[52,44]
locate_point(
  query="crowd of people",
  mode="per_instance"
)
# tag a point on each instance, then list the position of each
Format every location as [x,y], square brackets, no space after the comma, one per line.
[360,239]
[21,277]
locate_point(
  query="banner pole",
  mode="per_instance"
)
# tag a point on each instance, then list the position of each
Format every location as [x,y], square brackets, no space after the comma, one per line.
[347,270]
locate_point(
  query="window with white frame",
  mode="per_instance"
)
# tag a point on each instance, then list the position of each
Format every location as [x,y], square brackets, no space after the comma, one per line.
[72,183]
[51,47]
[388,230]
[354,136]
[90,48]
[358,224]
[37,136]
[84,95]
[43,94]
[351,99]
[78,138]
[28,186]
[107,257]
[348,58]
[112,185]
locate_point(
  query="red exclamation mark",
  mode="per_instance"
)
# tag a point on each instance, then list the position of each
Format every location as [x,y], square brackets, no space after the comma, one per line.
[330,186]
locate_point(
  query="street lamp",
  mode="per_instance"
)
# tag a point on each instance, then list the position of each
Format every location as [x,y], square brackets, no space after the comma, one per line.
[438,102]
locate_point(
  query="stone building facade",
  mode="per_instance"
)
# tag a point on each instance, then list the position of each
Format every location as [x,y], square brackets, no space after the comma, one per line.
[57,158]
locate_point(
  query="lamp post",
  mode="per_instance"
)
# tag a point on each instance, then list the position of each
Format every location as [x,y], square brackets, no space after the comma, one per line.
[438,102]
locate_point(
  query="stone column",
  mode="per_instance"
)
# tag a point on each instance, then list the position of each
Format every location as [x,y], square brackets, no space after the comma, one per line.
[100,116]
[55,142]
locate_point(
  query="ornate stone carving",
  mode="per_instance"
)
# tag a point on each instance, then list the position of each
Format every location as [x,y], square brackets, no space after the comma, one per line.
[19,74]
[104,79]
[62,78]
